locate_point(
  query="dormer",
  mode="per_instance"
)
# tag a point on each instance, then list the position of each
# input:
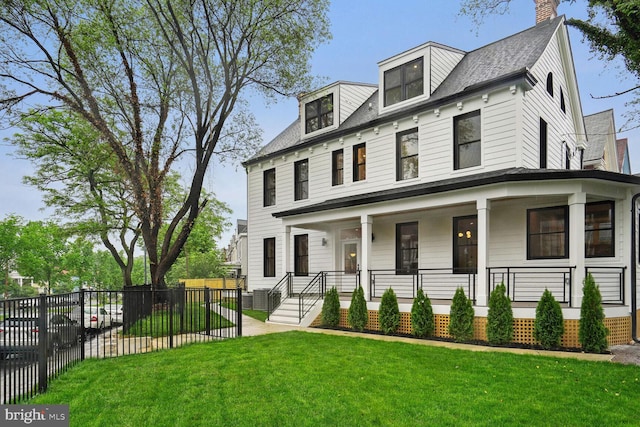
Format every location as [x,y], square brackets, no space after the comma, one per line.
[414,75]
[325,109]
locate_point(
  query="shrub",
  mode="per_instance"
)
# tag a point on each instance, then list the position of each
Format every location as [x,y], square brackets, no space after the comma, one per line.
[422,316]
[592,333]
[461,317]
[500,317]
[331,308]
[389,314]
[549,324]
[358,315]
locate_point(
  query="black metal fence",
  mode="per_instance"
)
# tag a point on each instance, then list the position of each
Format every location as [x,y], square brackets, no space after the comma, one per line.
[41,337]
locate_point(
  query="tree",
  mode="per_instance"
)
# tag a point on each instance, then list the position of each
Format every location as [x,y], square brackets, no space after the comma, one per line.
[422,315]
[161,82]
[592,333]
[500,317]
[389,313]
[549,324]
[331,308]
[9,244]
[461,317]
[358,315]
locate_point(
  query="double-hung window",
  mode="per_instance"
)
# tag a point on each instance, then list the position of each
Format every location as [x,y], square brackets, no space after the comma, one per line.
[337,167]
[407,248]
[301,255]
[466,133]
[407,155]
[269,196]
[403,82]
[598,229]
[359,162]
[301,179]
[318,113]
[269,257]
[548,233]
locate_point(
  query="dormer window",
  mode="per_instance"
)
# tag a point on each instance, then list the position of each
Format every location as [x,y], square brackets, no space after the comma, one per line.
[403,82]
[319,113]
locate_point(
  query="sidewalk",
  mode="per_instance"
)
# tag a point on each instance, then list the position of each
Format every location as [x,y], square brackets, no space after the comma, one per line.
[252,327]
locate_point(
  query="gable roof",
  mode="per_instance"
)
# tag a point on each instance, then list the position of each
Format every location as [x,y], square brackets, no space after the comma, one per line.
[600,129]
[501,62]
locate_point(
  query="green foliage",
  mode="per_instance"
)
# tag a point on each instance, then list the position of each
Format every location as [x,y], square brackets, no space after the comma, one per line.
[389,314]
[422,315]
[358,315]
[331,308]
[461,317]
[549,324]
[500,317]
[592,333]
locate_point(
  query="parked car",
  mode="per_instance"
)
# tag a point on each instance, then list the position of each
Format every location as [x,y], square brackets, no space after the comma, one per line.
[95,318]
[19,336]
[115,311]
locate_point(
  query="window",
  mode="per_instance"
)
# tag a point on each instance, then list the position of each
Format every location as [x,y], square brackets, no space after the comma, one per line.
[337,167]
[318,114]
[301,255]
[550,84]
[403,82]
[548,233]
[407,248]
[465,244]
[359,162]
[563,106]
[407,154]
[269,257]
[467,140]
[598,229]
[543,144]
[269,178]
[301,179]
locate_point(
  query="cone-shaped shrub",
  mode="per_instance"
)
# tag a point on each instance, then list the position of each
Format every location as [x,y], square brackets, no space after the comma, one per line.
[389,314]
[461,317]
[500,317]
[592,333]
[549,324]
[358,314]
[422,316]
[331,308]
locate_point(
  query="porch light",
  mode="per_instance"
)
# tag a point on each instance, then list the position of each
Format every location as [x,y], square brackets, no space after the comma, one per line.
[324,241]
[352,254]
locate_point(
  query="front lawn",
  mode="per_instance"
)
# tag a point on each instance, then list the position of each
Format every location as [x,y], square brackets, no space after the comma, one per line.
[313,379]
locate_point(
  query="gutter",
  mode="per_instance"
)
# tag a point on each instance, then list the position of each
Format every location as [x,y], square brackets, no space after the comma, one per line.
[634,326]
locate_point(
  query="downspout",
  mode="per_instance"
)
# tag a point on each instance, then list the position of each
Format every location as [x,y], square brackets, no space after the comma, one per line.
[634,213]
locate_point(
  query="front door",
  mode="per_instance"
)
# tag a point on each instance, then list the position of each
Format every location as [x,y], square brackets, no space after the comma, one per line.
[350,265]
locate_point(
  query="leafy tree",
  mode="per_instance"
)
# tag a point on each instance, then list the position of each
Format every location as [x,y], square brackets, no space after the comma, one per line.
[358,315]
[9,244]
[549,324]
[461,317]
[331,308]
[500,317]
[389,314]
[422,315]
[162,82]
[592,332]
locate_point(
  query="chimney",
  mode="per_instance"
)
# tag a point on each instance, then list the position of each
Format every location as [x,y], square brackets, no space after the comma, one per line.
[546,9]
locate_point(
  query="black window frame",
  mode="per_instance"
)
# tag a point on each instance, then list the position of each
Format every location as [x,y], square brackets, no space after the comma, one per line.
[324,116]
[457,145]
[563,105]
[269,257]
[543,142]
[400,158]
[269,192]
[564,209]
[357,165]
[591,252]
[337,167]
[404,82]
[465,237]
[301,255]
[550,84]
[301,185]
[402,249]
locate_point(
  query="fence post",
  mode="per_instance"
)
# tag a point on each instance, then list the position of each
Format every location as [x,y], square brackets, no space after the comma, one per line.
[207,315]
[82,327]
[239,312]
[43,341]
[170,319]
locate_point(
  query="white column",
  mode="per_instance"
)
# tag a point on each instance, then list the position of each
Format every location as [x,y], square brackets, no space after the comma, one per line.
[366,223]
[484,209]
[576,244]
[286,250]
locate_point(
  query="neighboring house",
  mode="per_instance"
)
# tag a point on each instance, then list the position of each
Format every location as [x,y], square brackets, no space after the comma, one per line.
[236,253]
[602,150]
[458,169]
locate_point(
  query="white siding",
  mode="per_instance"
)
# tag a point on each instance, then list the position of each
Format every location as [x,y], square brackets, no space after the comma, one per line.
[352,97]
[443,61]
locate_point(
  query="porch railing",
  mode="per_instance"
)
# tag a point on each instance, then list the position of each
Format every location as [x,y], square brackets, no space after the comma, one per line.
[282,290]
[437,283]
[611,281]
[526,284]
[313,292]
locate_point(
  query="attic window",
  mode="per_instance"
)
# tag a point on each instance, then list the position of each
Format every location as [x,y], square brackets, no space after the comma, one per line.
[403,82]
[318,113]
[550,83]
[563,107]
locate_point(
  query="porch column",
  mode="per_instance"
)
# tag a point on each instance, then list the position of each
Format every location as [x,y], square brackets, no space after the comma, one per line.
[286,250]
[576,244]
[366,223]
[482,285]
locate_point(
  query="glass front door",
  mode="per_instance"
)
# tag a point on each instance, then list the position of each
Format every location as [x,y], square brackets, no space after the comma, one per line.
[350,257]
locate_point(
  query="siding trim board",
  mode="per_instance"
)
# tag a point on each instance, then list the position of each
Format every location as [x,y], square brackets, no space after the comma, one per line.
[460,183]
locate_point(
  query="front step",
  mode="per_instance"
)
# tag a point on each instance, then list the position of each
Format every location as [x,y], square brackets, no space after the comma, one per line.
[287,313]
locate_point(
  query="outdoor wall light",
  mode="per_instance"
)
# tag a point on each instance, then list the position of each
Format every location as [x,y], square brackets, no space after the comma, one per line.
[324,241]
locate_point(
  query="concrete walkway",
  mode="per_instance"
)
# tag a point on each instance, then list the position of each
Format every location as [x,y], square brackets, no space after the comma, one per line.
[252,327]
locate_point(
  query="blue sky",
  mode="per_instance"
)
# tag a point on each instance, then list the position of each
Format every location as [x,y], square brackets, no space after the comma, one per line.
[364,33]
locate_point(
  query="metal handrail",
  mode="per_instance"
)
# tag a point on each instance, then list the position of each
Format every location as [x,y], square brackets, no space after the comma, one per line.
[508,276]
[419,279]
[318,282]
[283,287]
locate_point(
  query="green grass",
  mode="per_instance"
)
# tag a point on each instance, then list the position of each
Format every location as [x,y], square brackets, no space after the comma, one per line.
[157,325]
[256,314]
[299,378]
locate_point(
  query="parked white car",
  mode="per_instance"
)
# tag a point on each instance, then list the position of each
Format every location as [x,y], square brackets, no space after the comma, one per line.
[115,310]
[95,318]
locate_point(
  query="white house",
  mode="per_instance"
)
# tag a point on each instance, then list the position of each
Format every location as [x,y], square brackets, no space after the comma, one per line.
[457,169]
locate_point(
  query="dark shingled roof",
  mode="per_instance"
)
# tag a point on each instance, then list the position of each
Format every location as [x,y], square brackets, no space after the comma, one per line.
[494,63]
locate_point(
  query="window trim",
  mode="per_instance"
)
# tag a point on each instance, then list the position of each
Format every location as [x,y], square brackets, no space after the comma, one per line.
[337,171]
[268,262]
[268,196]
[565,210]
[400,251]
[456,259]
[300,186]
[456,145]
[357,166]
[403,82]
[612,229]
[320,114]
[550,84]
[300,260]
[543,140]
[400,157]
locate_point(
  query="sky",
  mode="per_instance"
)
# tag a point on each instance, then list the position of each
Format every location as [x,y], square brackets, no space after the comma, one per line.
[364,33]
